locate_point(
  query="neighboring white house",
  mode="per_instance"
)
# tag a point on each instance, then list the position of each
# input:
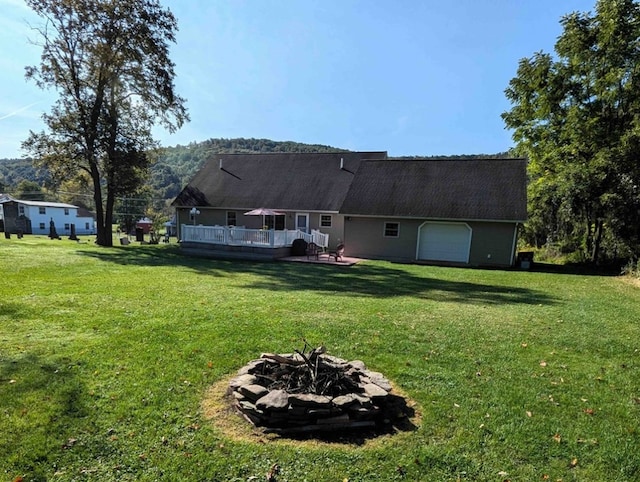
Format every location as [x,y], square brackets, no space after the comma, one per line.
[35,217]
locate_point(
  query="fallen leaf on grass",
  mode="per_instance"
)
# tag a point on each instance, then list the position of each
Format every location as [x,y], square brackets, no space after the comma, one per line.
[543,363]
[529,414]
[273,471]
[589,411]
[557,438]
[573,463]
[584,441]
[70,443]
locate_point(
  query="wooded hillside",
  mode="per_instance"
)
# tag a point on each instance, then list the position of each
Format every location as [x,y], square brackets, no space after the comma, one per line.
[173,168]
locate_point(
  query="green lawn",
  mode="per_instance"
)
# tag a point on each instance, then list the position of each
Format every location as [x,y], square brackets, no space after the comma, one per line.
[106,356]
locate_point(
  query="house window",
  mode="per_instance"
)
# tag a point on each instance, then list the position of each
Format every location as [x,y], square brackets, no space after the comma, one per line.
[86,226]
[66,226]
[21,210]
[274,222]
[66,211]
[42,226]
[42,210]
[231,218]
[325,220]
[391,230]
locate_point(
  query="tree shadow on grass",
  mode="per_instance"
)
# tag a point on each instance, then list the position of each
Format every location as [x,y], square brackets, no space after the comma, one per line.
[17,311]
[577,269]
[47,397]
[363,279]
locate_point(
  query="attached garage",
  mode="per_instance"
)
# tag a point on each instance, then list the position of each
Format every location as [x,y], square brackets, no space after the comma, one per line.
[447,242]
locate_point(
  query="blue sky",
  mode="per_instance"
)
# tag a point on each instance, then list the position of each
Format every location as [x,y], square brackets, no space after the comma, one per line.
[407,76]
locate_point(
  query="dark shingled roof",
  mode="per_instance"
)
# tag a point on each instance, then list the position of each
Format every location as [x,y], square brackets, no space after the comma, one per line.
[486,189]
[292,181]
[369,184]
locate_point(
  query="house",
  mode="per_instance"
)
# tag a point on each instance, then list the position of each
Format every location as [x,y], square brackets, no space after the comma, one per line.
[35,217]
[443,211]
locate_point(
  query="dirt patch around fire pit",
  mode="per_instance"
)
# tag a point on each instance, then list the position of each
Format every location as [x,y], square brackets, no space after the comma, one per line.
[221,405]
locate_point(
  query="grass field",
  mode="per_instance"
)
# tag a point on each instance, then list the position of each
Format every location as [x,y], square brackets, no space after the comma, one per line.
[107,356]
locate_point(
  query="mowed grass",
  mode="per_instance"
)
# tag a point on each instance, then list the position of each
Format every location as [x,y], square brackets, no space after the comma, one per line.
[106,356]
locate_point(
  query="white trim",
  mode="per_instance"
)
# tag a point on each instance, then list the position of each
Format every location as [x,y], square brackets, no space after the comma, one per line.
[384,229]
[46,204]
[513,245]
[244,209]
[307,228]
[436,220]
[330,225]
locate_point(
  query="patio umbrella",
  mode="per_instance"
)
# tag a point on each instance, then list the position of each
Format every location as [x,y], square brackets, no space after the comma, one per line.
[263,212]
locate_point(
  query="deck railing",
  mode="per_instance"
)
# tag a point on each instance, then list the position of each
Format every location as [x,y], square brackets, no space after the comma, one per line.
[234,236]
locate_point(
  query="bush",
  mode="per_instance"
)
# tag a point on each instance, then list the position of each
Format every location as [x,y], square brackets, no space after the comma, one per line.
[632,268]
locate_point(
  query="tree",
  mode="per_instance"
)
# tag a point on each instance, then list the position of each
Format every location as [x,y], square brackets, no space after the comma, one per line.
[29,191]
[576,116]
[109,62]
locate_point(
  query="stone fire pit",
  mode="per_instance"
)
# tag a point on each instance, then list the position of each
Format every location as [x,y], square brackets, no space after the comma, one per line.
[314,392]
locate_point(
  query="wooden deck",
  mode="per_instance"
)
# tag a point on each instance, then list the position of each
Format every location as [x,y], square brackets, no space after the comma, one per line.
[259,254]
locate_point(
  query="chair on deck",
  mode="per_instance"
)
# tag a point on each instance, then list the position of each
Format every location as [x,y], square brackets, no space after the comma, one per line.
[337,253]
[313,250]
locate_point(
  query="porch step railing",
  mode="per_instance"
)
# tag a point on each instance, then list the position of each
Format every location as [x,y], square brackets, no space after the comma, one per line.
[234,236]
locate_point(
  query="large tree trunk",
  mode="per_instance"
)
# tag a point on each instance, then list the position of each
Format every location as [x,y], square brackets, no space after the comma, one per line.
[108,216]
[597,241]
[103,235]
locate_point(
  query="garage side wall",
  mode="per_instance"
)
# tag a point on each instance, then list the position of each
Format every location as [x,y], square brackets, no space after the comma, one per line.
[491,242]
[364,238]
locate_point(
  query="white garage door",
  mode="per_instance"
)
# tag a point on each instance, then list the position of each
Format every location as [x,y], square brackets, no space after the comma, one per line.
[445,242]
